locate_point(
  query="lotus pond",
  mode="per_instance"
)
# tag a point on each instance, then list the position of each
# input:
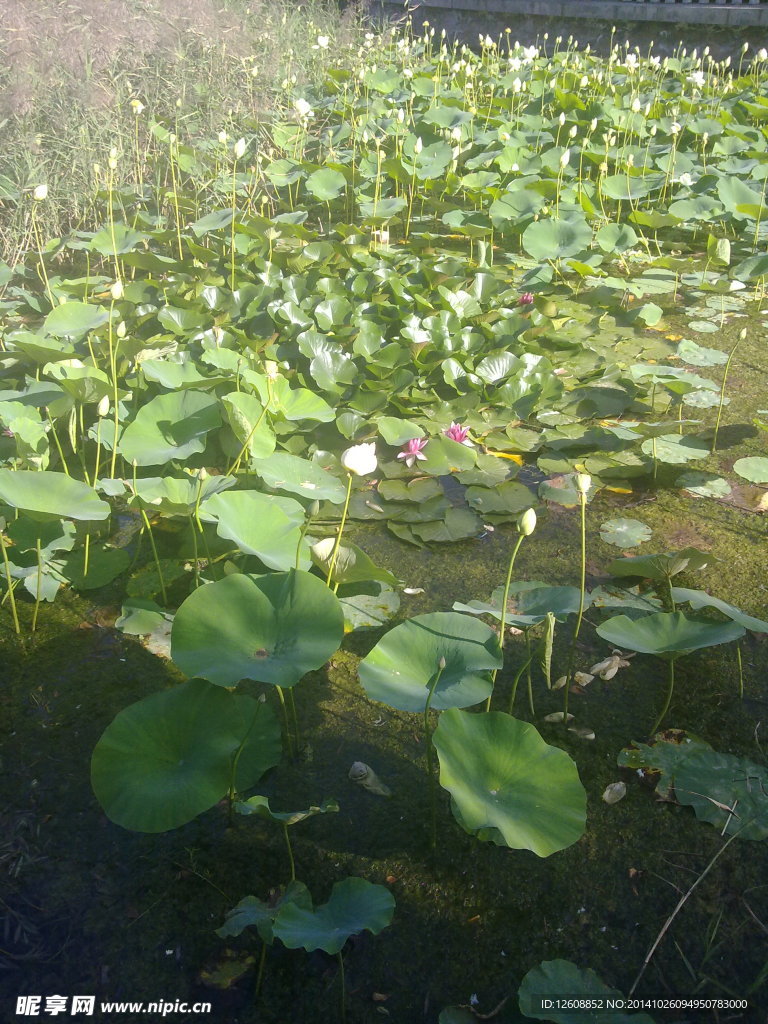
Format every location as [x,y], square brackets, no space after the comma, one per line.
[383,551]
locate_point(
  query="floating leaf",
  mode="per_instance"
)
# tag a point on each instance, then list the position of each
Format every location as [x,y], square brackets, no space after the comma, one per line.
[273,628]
[625,533]
[355,906]
[705,485]
[555,978]
[670,634]
[507,785]
[754,469]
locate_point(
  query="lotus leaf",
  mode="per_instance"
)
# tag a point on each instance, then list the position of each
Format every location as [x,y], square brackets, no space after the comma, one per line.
[754,469]
[401,667]
[259,806]
[355,906]
[253,913]
[553,978]
[625,533]
[661,567]
[699,599]
[46,495]
[169,757]
[507,785]
[262,525]
[170,426]
[667,634]
[272,628]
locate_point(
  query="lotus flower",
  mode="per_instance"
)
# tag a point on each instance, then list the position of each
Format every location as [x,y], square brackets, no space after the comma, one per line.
[458,433]
[412,451]
[525,299]
[360,459]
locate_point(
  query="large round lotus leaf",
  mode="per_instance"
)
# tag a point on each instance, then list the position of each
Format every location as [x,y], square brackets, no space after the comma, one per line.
[169,757]
[555,978]
[660,567]
[670,633]
[48,495]
[355,906]
[286,472]
[754,469]
[699,599]
[178,496]
[74,319]
[504,778]
[272,628]
[251,912]
[528,603]
[403,664]
[555,239]
[268,526]
[170,426]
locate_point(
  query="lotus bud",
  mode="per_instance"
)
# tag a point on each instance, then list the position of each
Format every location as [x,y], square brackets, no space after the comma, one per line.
[441,662]
[561,119]
[121,330]
[360,459]
[526,524]
[116,291]
[222,137]
[40,193]
[103,407]
[418,146]
[136,106]
[239,149]
[564,158]
[743,334]
[583,483]
[313,509]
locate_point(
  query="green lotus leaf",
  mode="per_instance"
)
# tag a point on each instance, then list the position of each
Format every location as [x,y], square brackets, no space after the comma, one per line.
[509,497]
[178,496]
[170,426]
[754,469]
[661,567]
[259,806]
[456,524]
[355,906]
[670,634]
[699,599]
[553,239]
[368,610]
[507,784]
[528,604]
[83,383]
[675,448]
[705,485]
[262,525]
[169,757]
[553,978]
[273,628]
[74,319]
[104,565]
[245,415]
[326,184]
[625,533]
[729,792]
[287,472]
[396,431]
[697,355]
[176,376]
[253,913]
[140,617]
[352,564]
[48,495]
[403,664]
[443,455]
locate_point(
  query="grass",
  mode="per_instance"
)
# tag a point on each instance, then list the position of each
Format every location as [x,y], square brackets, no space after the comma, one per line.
[198,68]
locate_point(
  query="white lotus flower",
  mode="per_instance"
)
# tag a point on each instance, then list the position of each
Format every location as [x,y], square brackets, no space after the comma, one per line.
[360,459]
[239,149]
[322,42]
[40,193]
[698,78]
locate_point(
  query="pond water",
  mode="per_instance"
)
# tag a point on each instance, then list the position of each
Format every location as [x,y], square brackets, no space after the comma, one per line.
[94,908]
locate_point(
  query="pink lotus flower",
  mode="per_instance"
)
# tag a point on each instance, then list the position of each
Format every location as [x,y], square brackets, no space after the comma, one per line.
[412,451]
[458,433]
[526,299]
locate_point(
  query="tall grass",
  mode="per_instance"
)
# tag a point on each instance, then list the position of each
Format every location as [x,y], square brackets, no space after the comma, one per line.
[197,86]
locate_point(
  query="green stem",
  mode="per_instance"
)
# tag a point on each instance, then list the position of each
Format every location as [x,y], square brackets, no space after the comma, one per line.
[515,681]
[86,554]
[154,553]
[289,741]
[670,690]
[343,989]
[582,586]
[741,670]
[294,717]
[528,670]
[64,465]
[672,605]
[39,584]
[505,598]
[260,972]
[336,546]
[193,527]
[290,852]
[722,394]
[428,742]
[9,582]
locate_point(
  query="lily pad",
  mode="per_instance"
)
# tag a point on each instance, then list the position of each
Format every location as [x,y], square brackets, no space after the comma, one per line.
[705,485]
[251,912]
[171,756]
[667,634]
[754,469]
[273,628]
[403,664]
[355,906]
[48,495]
[555,978]
[507,785]
[170,426]
[625,533]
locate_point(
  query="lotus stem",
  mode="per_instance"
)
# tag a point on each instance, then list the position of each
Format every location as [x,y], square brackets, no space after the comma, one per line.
[86,554]
[428,742]
[742,335]
[260,972]
[504,599]
[582,586]
[234,466]
[64,465]
[39,584]
[194,550]
[148,526]
[343,989]
[516,680]
[672,605]
[528,673]
[337,545]
[294,717]
[670,690]
[9,583]
[290,852]
[288,738]
[741,670]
